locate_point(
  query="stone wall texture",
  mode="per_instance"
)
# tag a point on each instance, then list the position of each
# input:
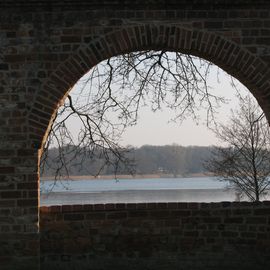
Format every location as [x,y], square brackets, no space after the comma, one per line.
[156,236]
[47,46]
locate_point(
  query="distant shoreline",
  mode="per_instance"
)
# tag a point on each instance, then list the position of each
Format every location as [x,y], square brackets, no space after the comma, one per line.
[126,176]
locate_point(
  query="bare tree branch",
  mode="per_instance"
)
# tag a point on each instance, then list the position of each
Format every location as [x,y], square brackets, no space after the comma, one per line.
[245,160]
[109,98]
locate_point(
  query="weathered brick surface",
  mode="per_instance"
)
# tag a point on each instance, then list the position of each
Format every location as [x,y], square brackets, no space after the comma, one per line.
[156,236]
[46,46]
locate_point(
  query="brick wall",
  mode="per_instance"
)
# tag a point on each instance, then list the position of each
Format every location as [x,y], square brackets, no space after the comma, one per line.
[156,236]
[46,46]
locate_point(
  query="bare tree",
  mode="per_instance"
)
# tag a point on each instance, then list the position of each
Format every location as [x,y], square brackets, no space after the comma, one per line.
[108,99]
[244,160]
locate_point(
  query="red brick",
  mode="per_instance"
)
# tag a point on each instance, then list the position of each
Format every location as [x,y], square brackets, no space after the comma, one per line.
[6,170]
[66,208]
[211,219]
[233,220]
[229,234]
[110,206]
[131,206]
[55,209]
[99,207]
[73,217]
[181,213]
[10,194]
[142,206]
[117,215]
[159,214]
[172,205]
[44,209]
[262,211]
[7,203]
[120,206]
[191,206]
[7,153]
[88,207]
[138,213]
[28,185]
[27,202]
[95,216]
[162,205]
[70,39]
[77,208]
[26,152]
[13,58]
[256,220]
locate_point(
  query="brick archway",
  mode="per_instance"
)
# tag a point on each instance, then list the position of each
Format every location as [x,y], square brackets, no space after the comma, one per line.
[236,61]
[45,48]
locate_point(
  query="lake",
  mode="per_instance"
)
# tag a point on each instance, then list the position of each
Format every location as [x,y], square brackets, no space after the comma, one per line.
[198,189]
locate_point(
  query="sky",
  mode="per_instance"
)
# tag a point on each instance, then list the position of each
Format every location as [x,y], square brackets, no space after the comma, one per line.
[155,128]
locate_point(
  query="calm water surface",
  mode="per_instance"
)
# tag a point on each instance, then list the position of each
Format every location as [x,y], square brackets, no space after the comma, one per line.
[199,189]
[100,185]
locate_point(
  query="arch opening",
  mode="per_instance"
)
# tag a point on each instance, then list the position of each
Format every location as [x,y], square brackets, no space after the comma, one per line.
[240,71]
[236,61]
[106,88]
[229,56]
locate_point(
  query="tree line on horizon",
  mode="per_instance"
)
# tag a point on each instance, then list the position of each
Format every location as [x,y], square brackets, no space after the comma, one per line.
[174,159]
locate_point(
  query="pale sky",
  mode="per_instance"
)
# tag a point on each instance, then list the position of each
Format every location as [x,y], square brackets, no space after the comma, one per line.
[155,128]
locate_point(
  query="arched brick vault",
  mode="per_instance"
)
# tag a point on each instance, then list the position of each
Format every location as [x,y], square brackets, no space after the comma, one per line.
[239,62]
